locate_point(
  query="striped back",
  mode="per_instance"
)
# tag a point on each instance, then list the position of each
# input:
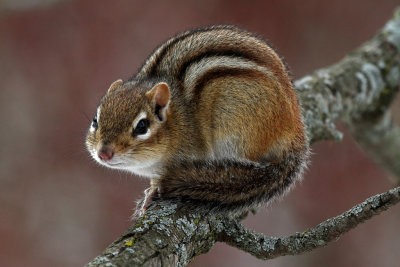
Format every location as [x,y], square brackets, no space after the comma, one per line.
[192,56]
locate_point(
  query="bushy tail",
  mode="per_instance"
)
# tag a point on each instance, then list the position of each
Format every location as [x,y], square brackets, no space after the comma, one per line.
[231,186]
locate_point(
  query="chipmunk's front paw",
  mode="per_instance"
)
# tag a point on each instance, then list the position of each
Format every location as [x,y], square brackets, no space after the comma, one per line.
[150,194]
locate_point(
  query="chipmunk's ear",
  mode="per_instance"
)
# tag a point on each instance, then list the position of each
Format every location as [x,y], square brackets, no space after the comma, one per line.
[114,85]
[159,95]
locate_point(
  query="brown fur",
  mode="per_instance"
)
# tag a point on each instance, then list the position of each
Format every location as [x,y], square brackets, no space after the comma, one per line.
[233,134]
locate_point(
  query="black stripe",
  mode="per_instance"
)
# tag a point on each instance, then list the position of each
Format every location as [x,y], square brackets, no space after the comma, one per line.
[216,73]
[186,35]
[217,52]
[177,39]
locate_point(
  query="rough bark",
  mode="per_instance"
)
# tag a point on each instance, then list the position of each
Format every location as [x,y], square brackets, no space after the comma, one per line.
[234,234]
[357,90]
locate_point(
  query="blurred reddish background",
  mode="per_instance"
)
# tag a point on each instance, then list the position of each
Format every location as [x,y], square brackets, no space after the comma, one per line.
[58,208]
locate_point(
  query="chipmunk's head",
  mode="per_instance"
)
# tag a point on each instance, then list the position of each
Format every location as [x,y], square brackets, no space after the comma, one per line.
[126,132]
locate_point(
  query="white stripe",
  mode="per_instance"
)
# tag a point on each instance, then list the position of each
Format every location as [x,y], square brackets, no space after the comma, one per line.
[92,129]
[142,115]
[197,70]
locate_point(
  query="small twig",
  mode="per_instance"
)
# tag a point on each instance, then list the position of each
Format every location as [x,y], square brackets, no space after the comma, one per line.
[265,248]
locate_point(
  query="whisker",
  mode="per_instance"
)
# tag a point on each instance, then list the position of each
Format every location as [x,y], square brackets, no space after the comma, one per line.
[85,115]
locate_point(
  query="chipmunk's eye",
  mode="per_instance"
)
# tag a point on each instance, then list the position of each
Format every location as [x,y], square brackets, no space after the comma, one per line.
[94,122]
[141,127]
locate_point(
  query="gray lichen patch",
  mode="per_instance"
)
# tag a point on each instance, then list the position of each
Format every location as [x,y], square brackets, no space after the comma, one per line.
[100,260]
[363,84]
[164,225]
[269,244]
[375,80]
[393,76]
[356,210]
[392,30]
[375,203]
[129,250]
[186,226]
[304,83]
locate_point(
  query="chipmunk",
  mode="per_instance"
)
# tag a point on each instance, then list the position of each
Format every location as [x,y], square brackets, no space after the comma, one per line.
[211,118]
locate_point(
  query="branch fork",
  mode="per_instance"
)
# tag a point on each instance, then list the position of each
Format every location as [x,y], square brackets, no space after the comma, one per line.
[358,90]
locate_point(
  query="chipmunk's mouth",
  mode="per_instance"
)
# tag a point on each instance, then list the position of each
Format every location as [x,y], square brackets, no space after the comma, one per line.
[113,164]
[110,163]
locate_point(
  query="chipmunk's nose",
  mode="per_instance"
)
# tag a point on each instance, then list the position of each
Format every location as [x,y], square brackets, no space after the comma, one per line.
[106,153]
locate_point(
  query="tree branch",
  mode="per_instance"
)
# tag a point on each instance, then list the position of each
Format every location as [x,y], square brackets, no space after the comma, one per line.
[236,235]
[380,138]
[357,90]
